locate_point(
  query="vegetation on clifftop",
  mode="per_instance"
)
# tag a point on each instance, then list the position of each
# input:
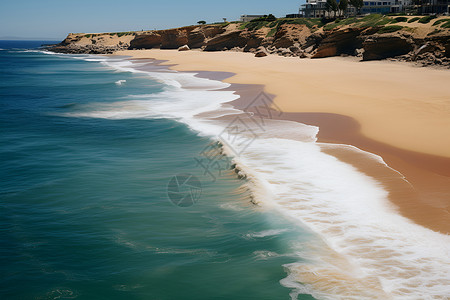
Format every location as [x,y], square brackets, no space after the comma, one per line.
[384,23]
[389,29]
[274,25]
[367,37]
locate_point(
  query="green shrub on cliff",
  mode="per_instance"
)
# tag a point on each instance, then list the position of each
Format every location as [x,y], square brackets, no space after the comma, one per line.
[436,31]
[415,19]
[399,19]
[255,25]
[426,19]
[272,32]
[274,25]
[120,34]
[361,22]
[441,21]
[243,25]
[302,21]
[375,20]
[446,24]
[389,29]
[338,22]
[265,18]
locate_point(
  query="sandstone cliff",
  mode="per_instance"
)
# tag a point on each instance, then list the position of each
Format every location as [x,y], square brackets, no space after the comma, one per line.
[422,39]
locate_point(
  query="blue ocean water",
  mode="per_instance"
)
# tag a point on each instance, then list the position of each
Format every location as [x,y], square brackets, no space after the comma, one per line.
[84,209]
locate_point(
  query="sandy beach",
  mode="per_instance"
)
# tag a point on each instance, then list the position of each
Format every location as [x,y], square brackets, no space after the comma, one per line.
[395,110]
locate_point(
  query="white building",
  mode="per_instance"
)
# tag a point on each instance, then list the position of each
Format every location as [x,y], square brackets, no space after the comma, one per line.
[317,8]
[248,18]
[314,9]
[385,6]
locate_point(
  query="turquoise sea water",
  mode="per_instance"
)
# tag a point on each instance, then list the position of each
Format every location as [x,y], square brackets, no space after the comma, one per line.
[84,210]
[94,152]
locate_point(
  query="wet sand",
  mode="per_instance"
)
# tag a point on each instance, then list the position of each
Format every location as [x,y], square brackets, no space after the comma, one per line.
[397,111]
[418,183]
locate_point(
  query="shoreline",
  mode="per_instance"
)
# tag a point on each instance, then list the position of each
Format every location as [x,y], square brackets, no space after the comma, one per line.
[349,200]
[422,198]
[321,85]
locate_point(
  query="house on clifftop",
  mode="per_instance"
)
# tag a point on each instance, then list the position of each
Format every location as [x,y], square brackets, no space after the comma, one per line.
[317,8]
[248,18]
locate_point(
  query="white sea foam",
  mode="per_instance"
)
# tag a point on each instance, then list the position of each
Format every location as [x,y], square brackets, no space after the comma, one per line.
[120,82]
[365,249]
[122,240]
[265,254]
[233,207]
[47,52]
[379,250]
[42,51]
[266,233]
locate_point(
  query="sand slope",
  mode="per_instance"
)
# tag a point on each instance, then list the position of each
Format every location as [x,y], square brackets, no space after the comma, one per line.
[395,103]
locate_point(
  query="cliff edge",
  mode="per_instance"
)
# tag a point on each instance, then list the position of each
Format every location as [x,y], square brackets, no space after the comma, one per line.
[425,40]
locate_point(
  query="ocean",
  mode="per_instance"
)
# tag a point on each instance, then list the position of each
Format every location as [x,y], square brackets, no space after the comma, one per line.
[123,179]
[85,211]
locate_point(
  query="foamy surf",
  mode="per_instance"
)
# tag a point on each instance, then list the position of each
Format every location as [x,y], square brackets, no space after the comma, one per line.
[369,251]
[265,233]
[365,249]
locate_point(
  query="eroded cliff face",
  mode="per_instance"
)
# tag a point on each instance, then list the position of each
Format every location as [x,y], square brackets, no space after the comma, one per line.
[302,40]
[94,43]
[193,36]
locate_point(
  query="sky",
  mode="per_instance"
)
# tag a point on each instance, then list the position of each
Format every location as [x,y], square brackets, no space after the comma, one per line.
[54,19]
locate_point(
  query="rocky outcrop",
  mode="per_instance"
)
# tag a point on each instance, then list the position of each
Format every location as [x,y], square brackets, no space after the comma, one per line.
[261,52]
[380,47]
[441,44]
[86,49]
[425,48]
[211,31]
[70,39]
[226,41]
[196,38]
[312,42]
[184,48]
[292,40]
[146,41]
[174,38]
[193,36]
[253,42]
[289,34]
[339,42]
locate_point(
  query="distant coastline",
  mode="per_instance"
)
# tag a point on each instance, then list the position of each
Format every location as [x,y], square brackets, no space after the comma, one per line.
[18,38]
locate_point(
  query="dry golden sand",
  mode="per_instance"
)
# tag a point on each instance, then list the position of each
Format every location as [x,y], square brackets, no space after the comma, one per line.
[396,110]
[395,103]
